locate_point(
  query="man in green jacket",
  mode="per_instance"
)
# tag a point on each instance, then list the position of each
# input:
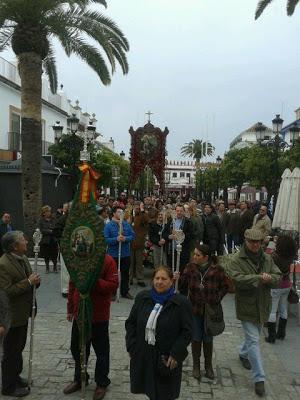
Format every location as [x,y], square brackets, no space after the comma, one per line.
[17,281]
[254,274]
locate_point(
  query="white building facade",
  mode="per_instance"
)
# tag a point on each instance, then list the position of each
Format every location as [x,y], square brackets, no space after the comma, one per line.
[55,107]
[249,136]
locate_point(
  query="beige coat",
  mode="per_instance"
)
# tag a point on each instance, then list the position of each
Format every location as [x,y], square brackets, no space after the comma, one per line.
[264,224]
[14,281]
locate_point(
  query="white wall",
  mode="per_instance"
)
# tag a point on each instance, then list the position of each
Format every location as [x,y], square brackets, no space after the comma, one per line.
[8,96]
[11,97]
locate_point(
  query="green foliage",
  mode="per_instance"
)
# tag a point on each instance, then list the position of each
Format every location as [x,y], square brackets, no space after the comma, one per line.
[29,26]
[232,171]
[259,167]
[197,149]
[291,158]
[103,160]
[66,154]
[262,5]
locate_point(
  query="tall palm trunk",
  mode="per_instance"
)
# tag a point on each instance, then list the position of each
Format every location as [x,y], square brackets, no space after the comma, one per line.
[30,69]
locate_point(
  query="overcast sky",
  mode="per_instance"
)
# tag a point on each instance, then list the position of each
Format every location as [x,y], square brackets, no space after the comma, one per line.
[204,68]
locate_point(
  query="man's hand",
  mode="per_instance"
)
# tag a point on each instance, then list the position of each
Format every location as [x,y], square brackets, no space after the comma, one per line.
[266,278]
[162,242]
[172,236]
[121,238]
[34,279]
[2,331]
[70,317]
[171,363]
[176,276]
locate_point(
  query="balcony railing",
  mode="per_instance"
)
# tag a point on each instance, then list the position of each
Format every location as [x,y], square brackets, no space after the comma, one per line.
[9,71]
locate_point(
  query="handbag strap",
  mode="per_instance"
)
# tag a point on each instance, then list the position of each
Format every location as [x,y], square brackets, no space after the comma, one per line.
[294,276]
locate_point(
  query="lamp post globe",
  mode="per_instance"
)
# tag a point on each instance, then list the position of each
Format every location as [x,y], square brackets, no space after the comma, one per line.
[73,123]
[91,132]
[294,133]
[277,124]
[58,131]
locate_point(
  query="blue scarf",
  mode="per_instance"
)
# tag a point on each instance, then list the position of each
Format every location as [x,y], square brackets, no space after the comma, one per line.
[162,298]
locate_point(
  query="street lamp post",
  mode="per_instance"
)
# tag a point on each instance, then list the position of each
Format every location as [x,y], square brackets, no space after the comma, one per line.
[115,178]
[73,123]
[58,131]
[89,136]
[219,161]
[294,133]
[277,144]
[167,180]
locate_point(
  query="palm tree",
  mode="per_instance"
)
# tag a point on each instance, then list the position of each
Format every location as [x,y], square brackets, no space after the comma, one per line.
[28,27]
[197,149]
[290,7]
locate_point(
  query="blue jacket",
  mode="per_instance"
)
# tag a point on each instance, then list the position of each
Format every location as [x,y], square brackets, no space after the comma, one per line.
[111,232]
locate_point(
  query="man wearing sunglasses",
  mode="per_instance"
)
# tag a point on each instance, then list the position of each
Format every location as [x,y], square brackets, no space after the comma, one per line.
[254,274]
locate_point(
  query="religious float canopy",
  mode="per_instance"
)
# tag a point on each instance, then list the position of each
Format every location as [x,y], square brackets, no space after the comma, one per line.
[148,148]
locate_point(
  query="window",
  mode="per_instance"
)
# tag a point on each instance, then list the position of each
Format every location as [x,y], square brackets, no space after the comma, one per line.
[174,175]
[14,134]
[182,174]
[15,123]
[188,174]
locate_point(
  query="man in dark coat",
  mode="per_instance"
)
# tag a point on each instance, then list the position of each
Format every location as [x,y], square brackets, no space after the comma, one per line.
[213,232]
[17,280]
[4,320]
[180,222]
[5,226]
[232,226]
[246,219]
[139,223]
[4,315]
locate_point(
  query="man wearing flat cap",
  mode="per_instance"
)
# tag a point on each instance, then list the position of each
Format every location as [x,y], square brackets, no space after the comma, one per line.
[254,274]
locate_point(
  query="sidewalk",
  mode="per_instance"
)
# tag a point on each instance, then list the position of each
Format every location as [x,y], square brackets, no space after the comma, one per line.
[53,364]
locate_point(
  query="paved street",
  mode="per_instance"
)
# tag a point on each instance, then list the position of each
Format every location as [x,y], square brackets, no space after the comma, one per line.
[53,365]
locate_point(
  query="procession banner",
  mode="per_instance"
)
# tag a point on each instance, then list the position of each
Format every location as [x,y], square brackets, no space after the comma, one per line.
[83,246]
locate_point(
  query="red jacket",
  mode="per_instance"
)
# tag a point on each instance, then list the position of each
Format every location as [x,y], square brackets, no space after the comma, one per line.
[101,294]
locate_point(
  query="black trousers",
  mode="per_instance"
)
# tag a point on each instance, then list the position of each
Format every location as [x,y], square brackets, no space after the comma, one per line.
[100,343]
[125,265]
[12,361]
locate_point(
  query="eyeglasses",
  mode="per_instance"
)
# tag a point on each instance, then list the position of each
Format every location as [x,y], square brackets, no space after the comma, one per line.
[253,241]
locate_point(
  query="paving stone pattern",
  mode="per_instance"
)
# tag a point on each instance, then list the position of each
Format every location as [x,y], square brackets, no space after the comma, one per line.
[54,367]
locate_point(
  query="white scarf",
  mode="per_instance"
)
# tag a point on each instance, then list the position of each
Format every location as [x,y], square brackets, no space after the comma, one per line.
[151,324]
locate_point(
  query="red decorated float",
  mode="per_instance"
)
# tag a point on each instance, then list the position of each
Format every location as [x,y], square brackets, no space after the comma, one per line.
[148,148]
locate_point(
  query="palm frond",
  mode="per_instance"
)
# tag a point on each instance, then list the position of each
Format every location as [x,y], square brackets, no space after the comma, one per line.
[5,37]
[107,24]
[89,54]
[261,7]
[291,5]
[86,3]
[49,65]
[96,26]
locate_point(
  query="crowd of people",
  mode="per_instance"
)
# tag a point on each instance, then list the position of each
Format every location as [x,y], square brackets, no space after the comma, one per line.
[183,305]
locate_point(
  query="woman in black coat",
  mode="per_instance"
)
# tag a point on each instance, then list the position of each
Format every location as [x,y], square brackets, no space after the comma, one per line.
[49,245]
[158,349]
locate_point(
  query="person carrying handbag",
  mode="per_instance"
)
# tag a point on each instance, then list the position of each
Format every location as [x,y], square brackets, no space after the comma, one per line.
[205,283]
[284,255]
